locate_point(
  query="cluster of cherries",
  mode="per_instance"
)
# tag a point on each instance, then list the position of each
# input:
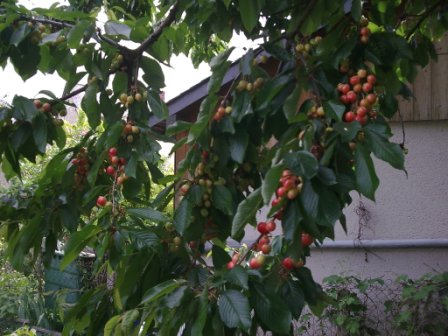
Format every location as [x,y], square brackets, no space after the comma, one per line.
[289,187]
[116,169]
[129,131]
[359,97]
[81,161]
[244,85]
[46,107]
[221,112]
[304,49]
[128,100]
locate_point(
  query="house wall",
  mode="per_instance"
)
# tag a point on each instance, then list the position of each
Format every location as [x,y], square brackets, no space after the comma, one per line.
[407,207]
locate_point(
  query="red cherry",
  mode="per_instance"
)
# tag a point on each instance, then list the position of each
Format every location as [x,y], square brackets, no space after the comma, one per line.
[235,257]
[362,120]
[264,240]
[340,87]
[276,202]
[306,239]
[205,155]
[361,111]
[280,192]
[288,263]
[110,170]
[265,248]
[343,99]
[101,201]
[349,116]
[289,183]
[113,151]
[351,96]
[371,98]
[75,161]
[261,227]
[286,173]
[371,79]
[122,161]
[367,87]
[364,31]
[270,226]
[357,88]
[254,263]
[114,160]
[230,265]
[354,80]
[345,88]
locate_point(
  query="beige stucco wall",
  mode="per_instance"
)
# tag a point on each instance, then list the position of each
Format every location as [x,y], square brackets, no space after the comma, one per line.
[407,207]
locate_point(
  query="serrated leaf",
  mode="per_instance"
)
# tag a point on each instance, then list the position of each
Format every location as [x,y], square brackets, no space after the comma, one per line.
[238,276]
[302,163]
[246,211]
[366,180]
[291,220]
[117,29]
[334,110]
[222,199]
[24,109]
[157,106]
[234,310]
[89,105]
[270,182]
[161,290]
[153,73]
[383,149]
[238,145]
[77,242]
[149,214]
[249,13]
[267,305]
[182,215]
[219,256]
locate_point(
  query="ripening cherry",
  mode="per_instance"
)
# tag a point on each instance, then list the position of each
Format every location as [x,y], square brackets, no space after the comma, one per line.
[344,99]
[46,107]
[110,170]
[114,160]
[37,103]
[265,248]
[345,88]
[354,80]
[113,151]
[362,120]
[306,239]
[357,88]
[367,87]
[264,240]
[101,201]
[120,180]
[371,98]
[281,192]
[371,79]
[288,263]
[293,193]
[351,96]
[270,226]
[276,202]
[364,31]
[289,183]
[261,227]
[256,263]
[361,111]
[349,116]
[230,265]
[235,257]
[362,73]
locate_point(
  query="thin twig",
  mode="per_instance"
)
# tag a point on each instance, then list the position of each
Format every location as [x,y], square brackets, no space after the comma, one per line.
[74,93]
[158,31]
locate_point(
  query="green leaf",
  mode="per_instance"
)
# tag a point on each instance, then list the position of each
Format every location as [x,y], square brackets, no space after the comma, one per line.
[219,256]
[90,105]
[40,133]
[19,34]
[76,33]
[310,199]
[153,73]
[199,323]
[270,182]
[161,290]
[356,10]
[383,149]
[149,214]
[157,106]
[117,29]
[334,110]
[111,324]
[238,145]
[238,276]
[302,163]
[366,180]
[291,220]
[234,309]
[271,310]
[249,13]
[128,320]
[182,216]
[347,131]
[120,82]
[246,212]
[24,109]
[144,238]
[291,103]
[222,200]
[177,127]
[77,242]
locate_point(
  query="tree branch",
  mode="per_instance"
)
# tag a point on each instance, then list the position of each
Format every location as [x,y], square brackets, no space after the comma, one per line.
[158,31]
[423,17]
[74,93]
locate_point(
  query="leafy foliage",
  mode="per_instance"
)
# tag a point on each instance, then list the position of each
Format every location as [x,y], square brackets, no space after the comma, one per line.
[313,101]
